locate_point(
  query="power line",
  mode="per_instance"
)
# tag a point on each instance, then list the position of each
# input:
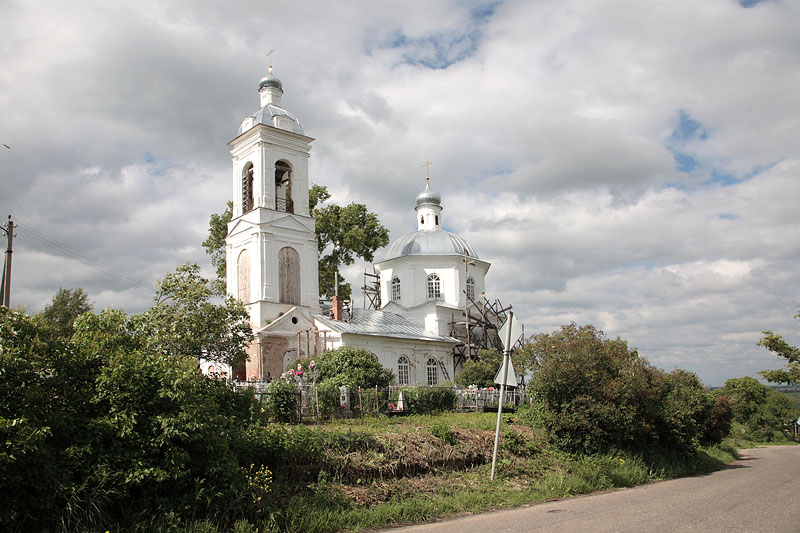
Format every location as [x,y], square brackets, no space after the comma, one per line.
[89,261]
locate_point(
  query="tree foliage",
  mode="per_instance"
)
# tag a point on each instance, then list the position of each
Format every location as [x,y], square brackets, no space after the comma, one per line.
[215,245]
[775,344]
[343,233]
[763,411]
[67,305]
[593,393]
[185,320]
[351,367]
[104,428]
[482,371]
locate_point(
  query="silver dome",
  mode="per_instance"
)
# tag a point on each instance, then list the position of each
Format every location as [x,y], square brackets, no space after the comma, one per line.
[430,242]
[270,81]
[265,115]
[428,197]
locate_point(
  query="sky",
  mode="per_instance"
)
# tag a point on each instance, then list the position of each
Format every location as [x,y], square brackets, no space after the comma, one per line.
[631,165]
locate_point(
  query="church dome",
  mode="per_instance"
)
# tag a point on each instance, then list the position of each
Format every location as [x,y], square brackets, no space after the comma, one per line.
[428,197]
[270,81]
[268,114]
[430,242]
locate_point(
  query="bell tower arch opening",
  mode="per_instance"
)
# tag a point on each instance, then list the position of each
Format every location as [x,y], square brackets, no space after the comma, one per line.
[247,187]
[283,187]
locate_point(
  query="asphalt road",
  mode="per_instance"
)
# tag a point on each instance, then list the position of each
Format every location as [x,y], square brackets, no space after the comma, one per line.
[760,493]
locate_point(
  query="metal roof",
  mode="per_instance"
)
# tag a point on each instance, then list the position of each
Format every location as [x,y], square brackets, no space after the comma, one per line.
[265,114]
[430,242]
[383,324]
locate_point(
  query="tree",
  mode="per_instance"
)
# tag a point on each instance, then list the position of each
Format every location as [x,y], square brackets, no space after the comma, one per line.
[351,367]
[104,428]
[184,320]
[343,233]
[482,371]
[763,411]
[595,393]
[67,305]
[215,245]
[775,344]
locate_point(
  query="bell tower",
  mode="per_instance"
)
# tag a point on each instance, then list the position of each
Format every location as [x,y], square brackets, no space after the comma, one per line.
[271,247]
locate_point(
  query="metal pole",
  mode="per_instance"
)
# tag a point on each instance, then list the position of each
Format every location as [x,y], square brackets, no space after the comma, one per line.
[506,361]
[7,265]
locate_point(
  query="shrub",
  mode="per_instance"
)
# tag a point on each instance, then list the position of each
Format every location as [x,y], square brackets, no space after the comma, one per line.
[444,432]
[281,402]
[352,367]
[429,399]
[594,393]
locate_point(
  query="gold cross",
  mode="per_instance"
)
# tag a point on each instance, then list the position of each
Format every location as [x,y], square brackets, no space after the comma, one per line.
[269,55]
[427,164]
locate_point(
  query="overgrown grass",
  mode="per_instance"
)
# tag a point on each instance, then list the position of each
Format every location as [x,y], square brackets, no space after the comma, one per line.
[388,471]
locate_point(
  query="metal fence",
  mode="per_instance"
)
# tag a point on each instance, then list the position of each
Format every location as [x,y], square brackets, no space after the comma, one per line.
[313,401]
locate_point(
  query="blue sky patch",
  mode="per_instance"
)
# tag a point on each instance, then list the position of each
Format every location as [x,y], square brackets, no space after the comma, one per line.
[439,49]
[728,216]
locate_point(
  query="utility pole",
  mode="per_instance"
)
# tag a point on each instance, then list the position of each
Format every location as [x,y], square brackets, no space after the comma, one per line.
[5,289]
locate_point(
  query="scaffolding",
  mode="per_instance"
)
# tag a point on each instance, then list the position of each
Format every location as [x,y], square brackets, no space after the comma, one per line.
[372,291]
[477,328]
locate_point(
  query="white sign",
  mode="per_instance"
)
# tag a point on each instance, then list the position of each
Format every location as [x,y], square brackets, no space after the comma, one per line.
[511,380]
[516,331]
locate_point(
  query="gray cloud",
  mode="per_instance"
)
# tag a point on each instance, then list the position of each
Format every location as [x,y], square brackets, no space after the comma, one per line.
[551,125]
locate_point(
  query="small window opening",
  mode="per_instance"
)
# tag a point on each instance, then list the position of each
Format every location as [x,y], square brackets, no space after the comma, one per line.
[437,220]
[434,287]
[422,220]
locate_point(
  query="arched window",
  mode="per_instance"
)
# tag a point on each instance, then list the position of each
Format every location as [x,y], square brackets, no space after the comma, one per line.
[395,289]
[434,286]
[283,187]
[247,188]
[470,288]
[421,220]
[433,372]
[289,275]
[402,370]
[243,276]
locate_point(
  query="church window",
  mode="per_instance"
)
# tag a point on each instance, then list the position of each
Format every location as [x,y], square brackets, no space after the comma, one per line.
[433,372]
[395,289]
[422,220]
[437,220]
[470,288]
[434,287]
[247,188]
[289,275]
[402,370]
[283,187]
[243,276]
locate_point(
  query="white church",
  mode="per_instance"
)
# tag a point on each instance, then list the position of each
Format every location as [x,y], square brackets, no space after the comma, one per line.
[272,265]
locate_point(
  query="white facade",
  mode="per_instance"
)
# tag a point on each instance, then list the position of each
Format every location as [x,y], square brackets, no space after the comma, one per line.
[416,356]
[271,248]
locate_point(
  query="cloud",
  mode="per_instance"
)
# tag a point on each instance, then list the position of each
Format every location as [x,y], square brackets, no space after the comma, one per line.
[625,164]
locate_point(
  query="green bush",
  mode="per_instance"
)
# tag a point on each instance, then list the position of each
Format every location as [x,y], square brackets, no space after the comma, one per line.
[351,367]
[326,399]
[444,432]
[105,430]
[594,393]
[281,402]
[428,399]
[761,411]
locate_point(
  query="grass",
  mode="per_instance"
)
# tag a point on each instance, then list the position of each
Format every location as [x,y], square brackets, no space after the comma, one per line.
[386,471]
